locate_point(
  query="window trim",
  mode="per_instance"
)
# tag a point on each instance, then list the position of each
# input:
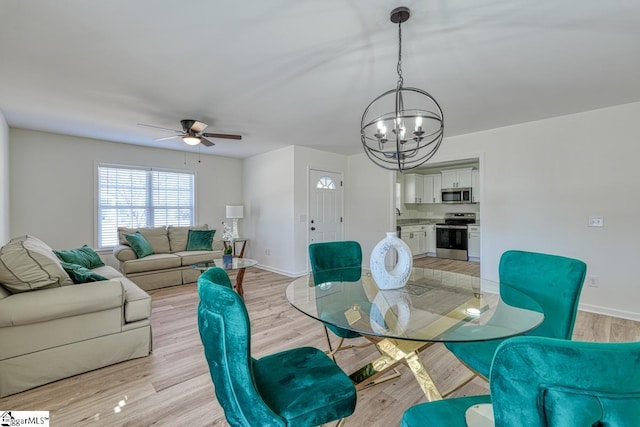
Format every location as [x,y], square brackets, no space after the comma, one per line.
[96,189]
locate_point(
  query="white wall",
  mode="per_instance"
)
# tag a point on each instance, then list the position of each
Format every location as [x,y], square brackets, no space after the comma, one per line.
[53,188]
[540,182]
[5,233]
[269,199]
[370,203]
[276,191]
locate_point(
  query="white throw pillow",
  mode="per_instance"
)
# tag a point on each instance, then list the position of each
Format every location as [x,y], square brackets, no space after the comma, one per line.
[27,263]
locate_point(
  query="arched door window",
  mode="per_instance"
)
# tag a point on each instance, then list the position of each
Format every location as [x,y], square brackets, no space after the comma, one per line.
[326,183]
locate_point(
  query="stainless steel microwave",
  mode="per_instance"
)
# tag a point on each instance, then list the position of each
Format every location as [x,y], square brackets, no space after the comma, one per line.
[456,195]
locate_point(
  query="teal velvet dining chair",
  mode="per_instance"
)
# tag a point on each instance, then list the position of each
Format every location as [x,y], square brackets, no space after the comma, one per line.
[336,261]
[552,281]
[296,387]
[537,381]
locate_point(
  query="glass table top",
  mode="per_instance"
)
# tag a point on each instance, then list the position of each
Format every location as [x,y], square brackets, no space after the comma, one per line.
[236,264]
[435,305]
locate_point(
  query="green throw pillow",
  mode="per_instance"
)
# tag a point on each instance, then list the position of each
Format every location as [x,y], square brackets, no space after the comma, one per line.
[80,274]
[139,244]
[200,240]
[84,256]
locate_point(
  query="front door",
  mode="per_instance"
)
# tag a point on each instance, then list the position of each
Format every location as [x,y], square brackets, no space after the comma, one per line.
[325,206]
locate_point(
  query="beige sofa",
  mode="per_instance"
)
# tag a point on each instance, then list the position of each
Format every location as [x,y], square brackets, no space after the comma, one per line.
[170,263]
[51,328]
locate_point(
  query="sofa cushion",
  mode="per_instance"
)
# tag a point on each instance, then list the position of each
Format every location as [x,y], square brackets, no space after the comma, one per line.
[192,257]
[84,256]
[156,236]
[200,240]
[151,263]
[27,263]
[80,274]
[139,244]
[178,236]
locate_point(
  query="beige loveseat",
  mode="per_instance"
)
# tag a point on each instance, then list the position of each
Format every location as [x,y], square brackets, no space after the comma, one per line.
[51,328]
[170,264]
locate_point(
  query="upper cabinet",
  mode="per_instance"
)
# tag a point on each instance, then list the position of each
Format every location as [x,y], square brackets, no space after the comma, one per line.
[422,188]
[456,178]
[475,186]
[413,188]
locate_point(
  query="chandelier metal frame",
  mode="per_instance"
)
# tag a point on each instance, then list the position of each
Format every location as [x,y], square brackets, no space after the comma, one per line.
[411,107]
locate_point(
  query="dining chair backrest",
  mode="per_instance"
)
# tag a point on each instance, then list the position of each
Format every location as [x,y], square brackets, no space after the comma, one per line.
[538,381]
[553,281]
[336,261]
[224,328]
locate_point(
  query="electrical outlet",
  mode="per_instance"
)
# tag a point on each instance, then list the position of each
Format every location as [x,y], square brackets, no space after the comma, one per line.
[596,221]
[593,281]
[267,251]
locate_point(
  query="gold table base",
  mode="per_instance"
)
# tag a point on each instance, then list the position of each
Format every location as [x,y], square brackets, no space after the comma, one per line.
[394,352]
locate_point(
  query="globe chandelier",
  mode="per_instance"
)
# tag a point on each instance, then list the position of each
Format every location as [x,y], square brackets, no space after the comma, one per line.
[402,128]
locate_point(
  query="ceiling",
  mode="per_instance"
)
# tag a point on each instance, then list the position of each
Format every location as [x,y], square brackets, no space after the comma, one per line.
[302,72]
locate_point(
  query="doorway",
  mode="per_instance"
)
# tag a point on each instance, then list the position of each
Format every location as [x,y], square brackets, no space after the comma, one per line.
[325,206]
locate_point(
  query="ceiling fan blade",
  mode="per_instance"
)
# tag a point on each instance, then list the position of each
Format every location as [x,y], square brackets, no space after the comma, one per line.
[204,141]
[167,137]
[158,127]
[222,135]
[198,127]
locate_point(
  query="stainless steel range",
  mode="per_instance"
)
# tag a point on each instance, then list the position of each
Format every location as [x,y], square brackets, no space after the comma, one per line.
[451,236]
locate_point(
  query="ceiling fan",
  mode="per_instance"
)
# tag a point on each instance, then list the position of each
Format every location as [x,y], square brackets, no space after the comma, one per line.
[192,133]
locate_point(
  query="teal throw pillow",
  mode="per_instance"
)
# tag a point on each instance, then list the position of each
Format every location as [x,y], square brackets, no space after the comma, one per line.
[84,256]
[80,274]
[200,240]
[139,244]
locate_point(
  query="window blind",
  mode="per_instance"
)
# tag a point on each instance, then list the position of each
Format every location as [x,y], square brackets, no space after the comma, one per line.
[142,197]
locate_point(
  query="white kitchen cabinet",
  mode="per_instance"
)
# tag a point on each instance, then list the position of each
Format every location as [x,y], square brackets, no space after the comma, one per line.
[428,196]
[456,178]
[413,188]
[420,189]
[475,186]
[473,233]
[411,239]
[431,238]
[437,189]
[422,243]
[415,236]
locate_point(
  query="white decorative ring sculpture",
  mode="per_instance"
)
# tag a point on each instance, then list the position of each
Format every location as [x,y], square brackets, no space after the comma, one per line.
[399,275]
[399,304]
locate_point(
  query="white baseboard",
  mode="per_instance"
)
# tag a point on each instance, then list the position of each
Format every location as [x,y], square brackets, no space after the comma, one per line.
[282,272]
[609,311]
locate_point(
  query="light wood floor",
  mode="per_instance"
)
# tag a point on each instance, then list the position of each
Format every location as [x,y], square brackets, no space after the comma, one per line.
[172,386]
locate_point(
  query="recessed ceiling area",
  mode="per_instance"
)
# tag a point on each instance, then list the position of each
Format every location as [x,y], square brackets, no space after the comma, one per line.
[285,72]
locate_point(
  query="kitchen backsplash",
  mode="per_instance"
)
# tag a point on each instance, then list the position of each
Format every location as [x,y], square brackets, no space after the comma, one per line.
[436,210]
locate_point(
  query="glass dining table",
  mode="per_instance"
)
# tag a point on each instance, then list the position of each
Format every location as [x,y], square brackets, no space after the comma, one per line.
[434,306]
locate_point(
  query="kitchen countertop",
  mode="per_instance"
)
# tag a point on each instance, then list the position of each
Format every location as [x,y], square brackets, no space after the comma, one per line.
[418,221]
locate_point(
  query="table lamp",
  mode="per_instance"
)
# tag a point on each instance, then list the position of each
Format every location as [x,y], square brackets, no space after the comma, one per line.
[234,213]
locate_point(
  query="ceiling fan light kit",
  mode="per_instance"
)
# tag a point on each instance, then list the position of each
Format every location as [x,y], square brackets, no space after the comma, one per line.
[402,128]
[191,140]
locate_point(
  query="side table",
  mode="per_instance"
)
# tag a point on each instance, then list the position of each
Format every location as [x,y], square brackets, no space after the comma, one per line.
[239,264]
[233,243]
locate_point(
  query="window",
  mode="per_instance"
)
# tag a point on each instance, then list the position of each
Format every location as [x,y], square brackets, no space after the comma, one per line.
[142,197]
[326,183]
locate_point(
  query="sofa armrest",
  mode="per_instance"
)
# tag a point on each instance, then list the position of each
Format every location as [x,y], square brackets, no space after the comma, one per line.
[46,304]
[124,253]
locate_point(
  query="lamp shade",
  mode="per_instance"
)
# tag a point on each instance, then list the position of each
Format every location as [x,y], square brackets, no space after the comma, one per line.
[235,211]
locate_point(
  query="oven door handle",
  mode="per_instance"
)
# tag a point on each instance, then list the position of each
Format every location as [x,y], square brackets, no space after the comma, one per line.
[452,227]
